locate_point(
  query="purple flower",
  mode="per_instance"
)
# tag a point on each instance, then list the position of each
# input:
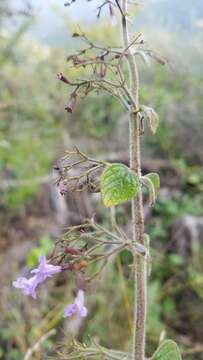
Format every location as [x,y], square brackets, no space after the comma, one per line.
[45,269]
[78,307]
[28,287]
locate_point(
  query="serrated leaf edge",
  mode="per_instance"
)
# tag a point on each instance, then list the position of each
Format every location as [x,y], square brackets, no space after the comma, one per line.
[131,173]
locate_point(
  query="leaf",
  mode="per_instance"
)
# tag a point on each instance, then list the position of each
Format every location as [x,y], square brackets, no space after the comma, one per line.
[154,177]
[152,183]
[167,350]
[44,248]
[151,117]
[118,184]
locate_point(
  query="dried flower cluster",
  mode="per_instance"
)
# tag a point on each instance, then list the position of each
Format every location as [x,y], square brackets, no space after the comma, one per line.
[78,172]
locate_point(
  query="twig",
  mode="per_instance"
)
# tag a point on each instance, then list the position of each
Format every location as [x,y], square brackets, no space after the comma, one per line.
[37,345]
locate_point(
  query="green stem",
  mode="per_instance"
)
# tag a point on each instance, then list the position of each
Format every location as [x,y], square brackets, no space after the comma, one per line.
[140,297]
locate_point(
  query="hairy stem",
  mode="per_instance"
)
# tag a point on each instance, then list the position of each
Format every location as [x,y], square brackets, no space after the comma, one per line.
[138,352]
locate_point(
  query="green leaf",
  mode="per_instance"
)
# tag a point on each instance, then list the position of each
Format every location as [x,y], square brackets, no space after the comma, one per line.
[167,350]
[154,177]
[45,246]
[151,117]
[175,259]
[118,184]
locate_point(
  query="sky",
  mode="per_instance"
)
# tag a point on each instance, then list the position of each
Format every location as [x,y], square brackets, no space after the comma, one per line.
[51,17]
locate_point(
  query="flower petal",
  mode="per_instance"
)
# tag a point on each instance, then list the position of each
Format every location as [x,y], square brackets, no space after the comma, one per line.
[79,301]
[19,283]
[45,269]
[83,312]
[70,310]
[27,286]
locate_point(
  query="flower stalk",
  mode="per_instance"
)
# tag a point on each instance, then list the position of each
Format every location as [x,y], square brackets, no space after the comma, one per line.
[140,294]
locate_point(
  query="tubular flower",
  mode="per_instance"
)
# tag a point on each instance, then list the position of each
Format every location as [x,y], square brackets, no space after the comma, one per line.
[77,308]
[28,287]
[44,270]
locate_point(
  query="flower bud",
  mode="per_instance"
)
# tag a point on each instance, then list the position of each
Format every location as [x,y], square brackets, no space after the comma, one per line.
[70,107]
[63,78]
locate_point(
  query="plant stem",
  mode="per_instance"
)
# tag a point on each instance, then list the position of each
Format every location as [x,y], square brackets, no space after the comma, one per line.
[140,297]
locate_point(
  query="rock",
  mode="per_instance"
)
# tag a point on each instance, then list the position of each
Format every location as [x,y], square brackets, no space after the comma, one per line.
[187,235]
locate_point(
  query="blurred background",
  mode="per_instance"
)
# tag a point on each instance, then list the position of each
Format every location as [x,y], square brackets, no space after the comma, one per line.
[35,39]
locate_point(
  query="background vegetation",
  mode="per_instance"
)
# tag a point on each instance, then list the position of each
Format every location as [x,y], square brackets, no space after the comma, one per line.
[35,131]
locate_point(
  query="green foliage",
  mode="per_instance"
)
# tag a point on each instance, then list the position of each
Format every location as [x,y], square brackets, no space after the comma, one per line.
[169,307]
[30,127]
[44,248]
[154,321]
[33,123]
[192,176]
[155,181]
[5,335]
[179,205]
[152,183]
[172,99]
[195,278]
[175,260]
[99,116]
[166,210]
[168,350]
[118,184]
